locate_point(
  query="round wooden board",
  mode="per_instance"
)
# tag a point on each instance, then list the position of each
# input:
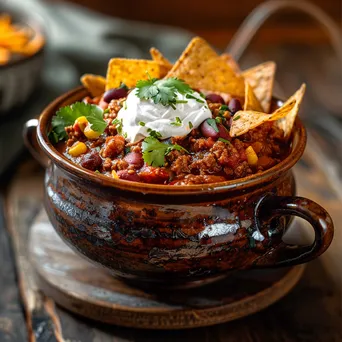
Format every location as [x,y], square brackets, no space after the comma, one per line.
[90,291]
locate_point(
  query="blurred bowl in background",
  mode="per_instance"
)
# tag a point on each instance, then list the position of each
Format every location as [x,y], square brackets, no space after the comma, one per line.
[20,76]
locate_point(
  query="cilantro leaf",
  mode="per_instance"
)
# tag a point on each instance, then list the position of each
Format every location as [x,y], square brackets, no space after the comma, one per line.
[67,115]
[212,123]
[162,91]
[154,151]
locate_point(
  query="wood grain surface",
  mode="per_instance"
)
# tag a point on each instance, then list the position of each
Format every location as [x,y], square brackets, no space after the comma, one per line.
[12,320]
[91,291]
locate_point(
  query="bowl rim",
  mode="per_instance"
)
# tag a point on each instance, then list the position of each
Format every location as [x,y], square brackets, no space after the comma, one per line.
[34,21]
[56,157]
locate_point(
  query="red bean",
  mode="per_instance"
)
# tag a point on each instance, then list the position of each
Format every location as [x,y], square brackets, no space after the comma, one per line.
[91,161]
[234,105]
[125,175]
[114,94]
[223,132]
[215,98]
[134,158]
[155,175]
[208,131]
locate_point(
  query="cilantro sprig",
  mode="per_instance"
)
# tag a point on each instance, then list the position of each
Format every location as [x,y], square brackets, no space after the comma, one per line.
[154,151]
[162,91]
[67,115]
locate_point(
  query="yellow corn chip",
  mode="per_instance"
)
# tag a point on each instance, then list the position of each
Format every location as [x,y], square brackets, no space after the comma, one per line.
[231,62]
[4,55]
[95,84]
[158,57]
[261,78]
[197,53]
[251,102]
[286,123]
[129,71]
[202,68]
[33,45]
[243,121]
[5,22]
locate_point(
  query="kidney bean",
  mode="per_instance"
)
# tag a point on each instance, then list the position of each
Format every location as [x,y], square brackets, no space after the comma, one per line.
[91,161]
[215,98]
[155,175]
[208,131]
[223,132]
[114,94]
[134,158]
[128,175]
[234,105]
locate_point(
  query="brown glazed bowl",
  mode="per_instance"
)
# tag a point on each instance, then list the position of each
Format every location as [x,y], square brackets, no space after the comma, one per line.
[178,234]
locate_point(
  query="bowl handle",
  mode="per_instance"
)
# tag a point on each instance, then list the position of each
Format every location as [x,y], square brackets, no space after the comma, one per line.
[272,206]
[31,142]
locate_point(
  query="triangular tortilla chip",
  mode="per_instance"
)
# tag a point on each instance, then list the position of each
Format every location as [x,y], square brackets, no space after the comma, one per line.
[243,121]
[197,53]
[129,71]
[94,83]
[261,78]
[202,68]
[231,62]
[286,123]
[158,57]
[251,102]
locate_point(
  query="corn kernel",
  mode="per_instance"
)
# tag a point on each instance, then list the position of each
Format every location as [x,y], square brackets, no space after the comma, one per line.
[91,134]
[77,149]
[82,122]
[115,175]
[252,157]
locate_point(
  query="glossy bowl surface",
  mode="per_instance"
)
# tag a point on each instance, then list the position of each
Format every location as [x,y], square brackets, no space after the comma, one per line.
[178,234]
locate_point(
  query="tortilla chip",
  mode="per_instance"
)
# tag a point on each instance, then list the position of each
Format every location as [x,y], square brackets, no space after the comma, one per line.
[261,78]
[129,71]
[33,45]
[202,68]
[5,22]
[286,123]
[197,53]
[4,55]
[158,57]
[251,102]
[243,121]
[95,84]
[231,62]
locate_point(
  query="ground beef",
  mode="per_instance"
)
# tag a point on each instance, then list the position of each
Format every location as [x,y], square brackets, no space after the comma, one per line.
[201,144]
[114,107]
[182,164]
[113,146]
[205,165]
[119,164]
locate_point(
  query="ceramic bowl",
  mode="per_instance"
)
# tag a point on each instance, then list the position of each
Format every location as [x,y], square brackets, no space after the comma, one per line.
[178,234]
[19,78]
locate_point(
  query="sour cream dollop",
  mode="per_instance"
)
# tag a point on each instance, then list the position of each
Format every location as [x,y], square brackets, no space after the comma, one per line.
[140,116]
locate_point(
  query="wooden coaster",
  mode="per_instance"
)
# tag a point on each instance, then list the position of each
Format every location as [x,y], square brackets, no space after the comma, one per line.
[91,291]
